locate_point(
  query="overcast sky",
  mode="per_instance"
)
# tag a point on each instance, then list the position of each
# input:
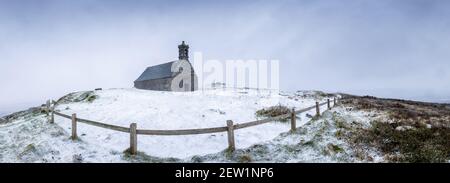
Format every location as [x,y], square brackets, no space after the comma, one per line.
[390,48]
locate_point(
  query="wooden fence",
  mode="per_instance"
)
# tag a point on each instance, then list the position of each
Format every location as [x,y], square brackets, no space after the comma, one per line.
[229,128]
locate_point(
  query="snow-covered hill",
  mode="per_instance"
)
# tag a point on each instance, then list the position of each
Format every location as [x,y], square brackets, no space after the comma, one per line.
[28,137]
[360,129]
[173,110]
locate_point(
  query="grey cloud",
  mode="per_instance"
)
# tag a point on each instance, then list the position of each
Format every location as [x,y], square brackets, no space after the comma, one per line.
[384,48]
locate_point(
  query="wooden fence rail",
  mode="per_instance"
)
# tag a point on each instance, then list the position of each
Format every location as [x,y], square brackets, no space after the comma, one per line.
[230,128]
[260,122]
[182,132]
[95,123]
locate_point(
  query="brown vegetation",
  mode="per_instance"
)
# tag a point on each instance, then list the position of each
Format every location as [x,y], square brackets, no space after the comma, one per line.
[414,132]
[273,111]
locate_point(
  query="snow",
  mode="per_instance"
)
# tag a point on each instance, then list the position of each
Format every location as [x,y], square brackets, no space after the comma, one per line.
[312,142]
[29,137]
[178,110]
[35,140]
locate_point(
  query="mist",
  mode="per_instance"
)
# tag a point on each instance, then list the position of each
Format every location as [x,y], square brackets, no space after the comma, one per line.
[395,49]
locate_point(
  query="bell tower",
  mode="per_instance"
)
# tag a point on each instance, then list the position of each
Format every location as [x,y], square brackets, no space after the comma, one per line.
[183,51]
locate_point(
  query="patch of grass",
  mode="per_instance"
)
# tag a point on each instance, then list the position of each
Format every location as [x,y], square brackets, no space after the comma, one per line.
[339,134]
[426,141]
[196,159]
[91,98]
[419,145]
[229,152]
[400,109]
[309,143]
[78,139]
[258,149]
[43,111]
[28,149]
[245,158]
[292,149]
[273,112]
[339,122]
[315,118]
[335,148]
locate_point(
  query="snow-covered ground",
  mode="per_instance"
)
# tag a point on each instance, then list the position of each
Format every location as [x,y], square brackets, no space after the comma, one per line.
[30,138]
[178,110]
[315,141]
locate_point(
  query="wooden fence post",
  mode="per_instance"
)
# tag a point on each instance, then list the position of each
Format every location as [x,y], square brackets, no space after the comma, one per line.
[133,138]
[231,145]
[47,107]
[328,104]
[317,109]
[52,117]
[293,118]
[74,126]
